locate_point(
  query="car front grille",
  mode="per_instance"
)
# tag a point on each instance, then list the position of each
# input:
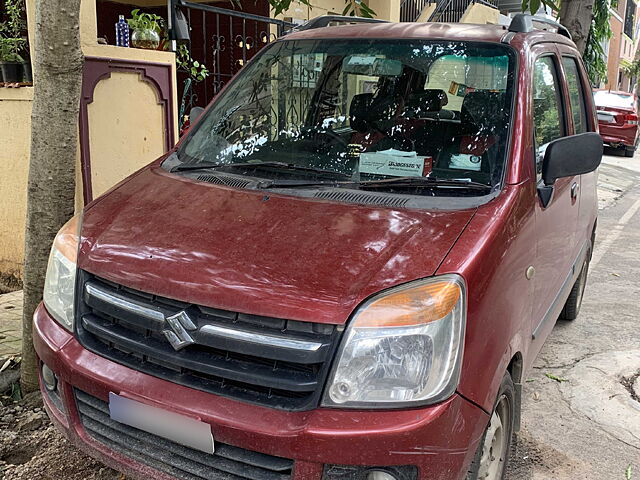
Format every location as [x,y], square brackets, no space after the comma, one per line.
[269,361]
[184,463]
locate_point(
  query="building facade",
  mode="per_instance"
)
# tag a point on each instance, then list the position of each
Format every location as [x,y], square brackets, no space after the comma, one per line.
[623,45]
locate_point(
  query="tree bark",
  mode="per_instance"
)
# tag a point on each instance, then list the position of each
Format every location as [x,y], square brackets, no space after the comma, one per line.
[577,15]
[57,71]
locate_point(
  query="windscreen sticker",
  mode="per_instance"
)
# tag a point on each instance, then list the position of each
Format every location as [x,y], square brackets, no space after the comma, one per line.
[395,163]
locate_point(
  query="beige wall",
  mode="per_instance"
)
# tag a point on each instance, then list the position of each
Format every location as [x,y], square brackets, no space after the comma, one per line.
[15,134]
[480,14]
[613,61]
[126,131]
[426,12]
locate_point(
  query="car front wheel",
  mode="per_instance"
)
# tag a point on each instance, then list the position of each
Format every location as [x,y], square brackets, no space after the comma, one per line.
[490,461]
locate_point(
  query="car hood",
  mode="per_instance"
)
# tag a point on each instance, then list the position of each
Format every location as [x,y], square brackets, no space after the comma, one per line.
[257,253]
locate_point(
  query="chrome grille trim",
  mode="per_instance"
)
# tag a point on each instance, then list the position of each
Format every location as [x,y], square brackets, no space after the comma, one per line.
[263,339]
[93,291]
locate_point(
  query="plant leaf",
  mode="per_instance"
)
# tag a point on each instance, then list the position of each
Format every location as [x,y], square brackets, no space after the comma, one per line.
[534,6]
[553,377]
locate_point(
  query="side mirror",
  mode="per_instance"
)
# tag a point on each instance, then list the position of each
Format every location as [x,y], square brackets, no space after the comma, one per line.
[194,114]
[569,156]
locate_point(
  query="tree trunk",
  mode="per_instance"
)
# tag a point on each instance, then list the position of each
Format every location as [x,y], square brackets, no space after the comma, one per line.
[57,71]
[577,15]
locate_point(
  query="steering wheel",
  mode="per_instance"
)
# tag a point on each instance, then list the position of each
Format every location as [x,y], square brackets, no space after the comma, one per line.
[333,135]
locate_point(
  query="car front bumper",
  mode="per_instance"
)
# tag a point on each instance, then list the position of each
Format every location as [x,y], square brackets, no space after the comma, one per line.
[440,440]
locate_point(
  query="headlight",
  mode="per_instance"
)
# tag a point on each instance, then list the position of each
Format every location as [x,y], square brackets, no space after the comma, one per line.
[60,282]
[402,347]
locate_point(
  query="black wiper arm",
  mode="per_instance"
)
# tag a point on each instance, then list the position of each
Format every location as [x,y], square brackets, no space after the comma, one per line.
[425,181]
[249,165]
[303,183]
[194,166]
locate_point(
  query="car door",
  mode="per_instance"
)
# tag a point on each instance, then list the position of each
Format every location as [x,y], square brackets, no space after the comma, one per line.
[556,221]
[584,120]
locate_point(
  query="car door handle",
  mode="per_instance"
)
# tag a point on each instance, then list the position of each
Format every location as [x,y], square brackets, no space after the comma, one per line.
[575,188]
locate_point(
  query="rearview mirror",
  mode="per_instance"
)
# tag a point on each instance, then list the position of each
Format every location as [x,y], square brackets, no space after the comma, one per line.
[372,66]
[569,156]
[194,114]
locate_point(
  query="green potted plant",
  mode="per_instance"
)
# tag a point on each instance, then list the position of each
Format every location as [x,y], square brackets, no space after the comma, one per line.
[10,59]
[12,44]
[147,28]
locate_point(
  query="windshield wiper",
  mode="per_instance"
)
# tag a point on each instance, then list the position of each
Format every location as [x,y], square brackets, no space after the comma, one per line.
[426,182]
[400,182]
[278,165]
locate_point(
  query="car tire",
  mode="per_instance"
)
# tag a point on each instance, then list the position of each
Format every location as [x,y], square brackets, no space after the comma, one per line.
[572,306]
[492,455]
[629,151]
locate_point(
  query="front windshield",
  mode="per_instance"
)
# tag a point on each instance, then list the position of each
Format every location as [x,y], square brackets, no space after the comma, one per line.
[364,110]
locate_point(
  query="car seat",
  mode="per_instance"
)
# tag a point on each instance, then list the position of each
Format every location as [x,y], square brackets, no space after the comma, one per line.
[483,121]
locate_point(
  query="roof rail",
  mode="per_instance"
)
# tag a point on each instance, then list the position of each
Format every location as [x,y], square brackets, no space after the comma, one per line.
[524,23]
[325,20]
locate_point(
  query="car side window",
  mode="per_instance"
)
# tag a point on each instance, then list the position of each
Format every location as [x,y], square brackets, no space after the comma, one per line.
[548,121]
[576,95]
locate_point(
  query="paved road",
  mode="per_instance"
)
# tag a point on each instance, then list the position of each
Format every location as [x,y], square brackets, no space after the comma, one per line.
[587,425]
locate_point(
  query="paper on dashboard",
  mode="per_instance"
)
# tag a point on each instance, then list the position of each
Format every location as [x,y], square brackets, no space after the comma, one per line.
[395,163]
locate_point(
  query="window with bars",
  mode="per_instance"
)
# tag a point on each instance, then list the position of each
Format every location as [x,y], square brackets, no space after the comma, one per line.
[629,18]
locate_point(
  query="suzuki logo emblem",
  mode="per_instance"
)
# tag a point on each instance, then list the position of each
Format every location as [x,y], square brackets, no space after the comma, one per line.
[178,334]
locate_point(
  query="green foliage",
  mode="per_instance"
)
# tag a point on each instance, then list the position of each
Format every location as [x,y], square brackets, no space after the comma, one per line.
[11,48]
[15,23]
[357,8]
[279,6]
[352,7]
[12,45]
[145,21]
[193,68]
[600,31]
[534,5]
[630,69]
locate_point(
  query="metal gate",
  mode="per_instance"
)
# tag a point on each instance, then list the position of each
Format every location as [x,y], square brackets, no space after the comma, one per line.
[223,40]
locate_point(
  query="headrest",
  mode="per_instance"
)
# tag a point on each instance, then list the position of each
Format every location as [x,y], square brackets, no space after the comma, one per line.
[484,110]
[359,111]
[425,101]
[369,112]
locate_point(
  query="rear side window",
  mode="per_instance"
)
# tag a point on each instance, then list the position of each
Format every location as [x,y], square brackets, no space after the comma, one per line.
[576,95]
[547,107]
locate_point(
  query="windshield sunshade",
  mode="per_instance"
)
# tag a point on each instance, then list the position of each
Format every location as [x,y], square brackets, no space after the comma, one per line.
[364,109]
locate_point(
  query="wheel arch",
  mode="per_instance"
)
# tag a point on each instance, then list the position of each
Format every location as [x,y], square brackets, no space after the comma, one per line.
[516,370]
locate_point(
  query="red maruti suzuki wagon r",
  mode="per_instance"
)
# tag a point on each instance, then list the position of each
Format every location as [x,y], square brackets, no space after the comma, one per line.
[344,268]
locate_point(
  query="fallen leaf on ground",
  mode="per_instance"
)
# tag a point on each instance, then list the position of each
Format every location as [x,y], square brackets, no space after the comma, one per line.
[5,365]
[553,377]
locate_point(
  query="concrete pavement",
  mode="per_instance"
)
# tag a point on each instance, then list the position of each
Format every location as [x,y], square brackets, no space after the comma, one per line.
[581,414]
[10,324]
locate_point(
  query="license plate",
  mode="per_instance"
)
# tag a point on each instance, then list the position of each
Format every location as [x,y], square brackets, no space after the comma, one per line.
[606,118]
[172,426]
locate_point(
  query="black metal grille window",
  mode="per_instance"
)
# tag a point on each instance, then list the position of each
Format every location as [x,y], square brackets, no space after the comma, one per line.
[226,463]
[629,19]
[269,361]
